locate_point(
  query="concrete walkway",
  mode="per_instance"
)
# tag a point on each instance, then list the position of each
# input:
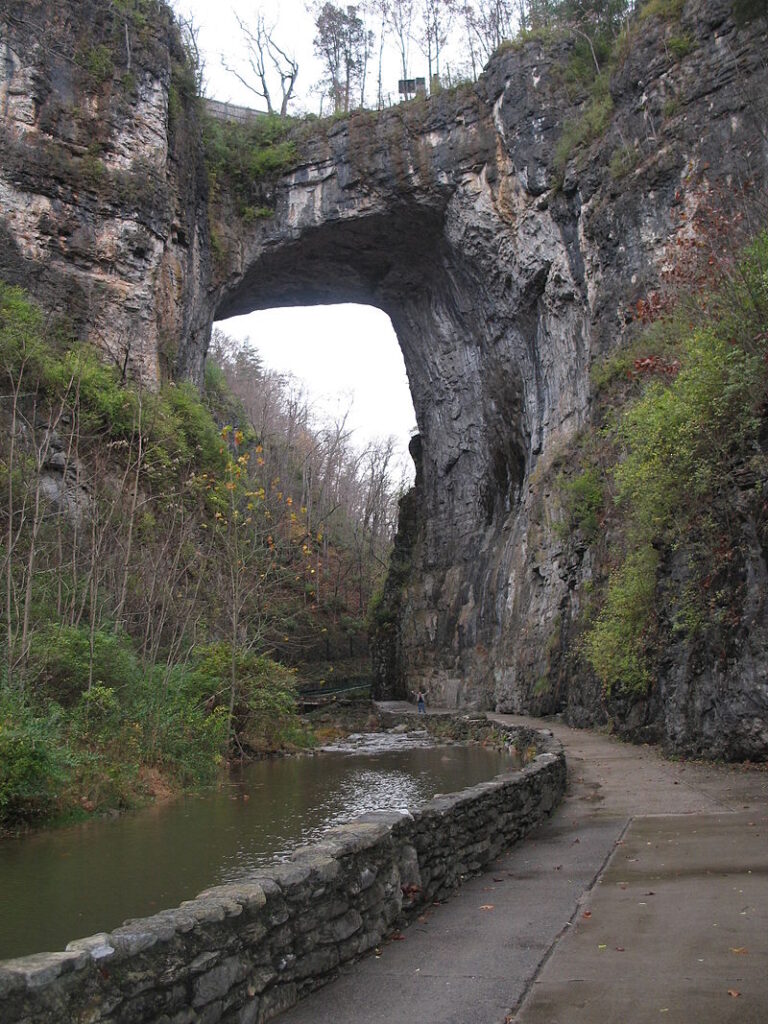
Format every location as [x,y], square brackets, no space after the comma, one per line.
[644,898]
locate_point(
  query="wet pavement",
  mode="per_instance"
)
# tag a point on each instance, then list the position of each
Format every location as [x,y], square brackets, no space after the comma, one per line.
[644,898]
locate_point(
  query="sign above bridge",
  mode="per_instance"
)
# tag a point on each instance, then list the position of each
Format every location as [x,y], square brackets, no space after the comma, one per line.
[409,86]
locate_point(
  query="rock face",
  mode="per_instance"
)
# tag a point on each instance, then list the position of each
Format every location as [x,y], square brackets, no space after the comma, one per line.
[506,275]
[102,184]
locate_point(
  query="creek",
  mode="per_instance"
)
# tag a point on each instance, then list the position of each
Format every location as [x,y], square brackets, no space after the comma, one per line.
[60,885]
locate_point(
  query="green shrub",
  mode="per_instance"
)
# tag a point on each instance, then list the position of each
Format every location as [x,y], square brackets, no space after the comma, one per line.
[60,659]
[671,107]
[22,346]
[194,425]
[245,155]
[252,213]
[107,404]
[181,735]
[666,10]
[615,646]
[264,705]
[98,62]
[98,715]
[623,160]
[176,424]
[591,125]
[695,426]
[672,456]
[582,499]
[33,761]
[580,72]
[680,46]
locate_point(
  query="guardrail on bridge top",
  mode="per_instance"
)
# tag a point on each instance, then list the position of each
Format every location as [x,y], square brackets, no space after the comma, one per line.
[232,112]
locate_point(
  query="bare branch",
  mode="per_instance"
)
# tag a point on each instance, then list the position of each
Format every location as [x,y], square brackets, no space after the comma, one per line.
[266,59]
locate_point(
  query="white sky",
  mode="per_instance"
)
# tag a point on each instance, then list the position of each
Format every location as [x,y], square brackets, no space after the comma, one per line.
[349,359]
[347,356]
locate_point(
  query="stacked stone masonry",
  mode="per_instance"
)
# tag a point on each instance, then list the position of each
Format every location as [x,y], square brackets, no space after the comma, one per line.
[241,953]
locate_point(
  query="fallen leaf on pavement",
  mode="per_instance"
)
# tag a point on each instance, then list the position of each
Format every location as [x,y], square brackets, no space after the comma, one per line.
[734,993]
[740,949]
[487,906]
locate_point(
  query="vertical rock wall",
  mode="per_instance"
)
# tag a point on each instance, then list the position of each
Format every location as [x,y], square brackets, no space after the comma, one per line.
[102,186]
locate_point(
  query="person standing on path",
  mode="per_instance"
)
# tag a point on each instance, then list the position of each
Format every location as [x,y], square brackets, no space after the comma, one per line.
[420,707]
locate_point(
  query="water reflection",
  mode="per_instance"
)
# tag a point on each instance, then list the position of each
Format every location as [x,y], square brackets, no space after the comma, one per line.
[62,885]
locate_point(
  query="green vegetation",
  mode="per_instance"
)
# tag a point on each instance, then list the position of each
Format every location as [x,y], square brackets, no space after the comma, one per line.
[671,107]
[593,59]
[623,161]
[123,36]
[667,10]
[97,61]
[602,35]
[165,574]
[583,502]
[686,443]
[245,156]
[616,645]
[680,46]
[591,124]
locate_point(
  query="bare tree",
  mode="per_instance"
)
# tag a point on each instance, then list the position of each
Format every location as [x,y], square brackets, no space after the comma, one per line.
[399,15]
[269,63]
[436,17]
[381,7]
[335,506]
[488,24]
[190,40]
[366,11]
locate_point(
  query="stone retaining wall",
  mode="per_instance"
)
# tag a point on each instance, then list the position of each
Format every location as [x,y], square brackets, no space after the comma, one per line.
[243,952]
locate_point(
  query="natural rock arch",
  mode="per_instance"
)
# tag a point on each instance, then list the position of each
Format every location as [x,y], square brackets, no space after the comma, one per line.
[490,309]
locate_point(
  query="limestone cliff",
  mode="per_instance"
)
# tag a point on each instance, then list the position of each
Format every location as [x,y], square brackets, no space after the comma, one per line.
[509,269]
[102,185]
